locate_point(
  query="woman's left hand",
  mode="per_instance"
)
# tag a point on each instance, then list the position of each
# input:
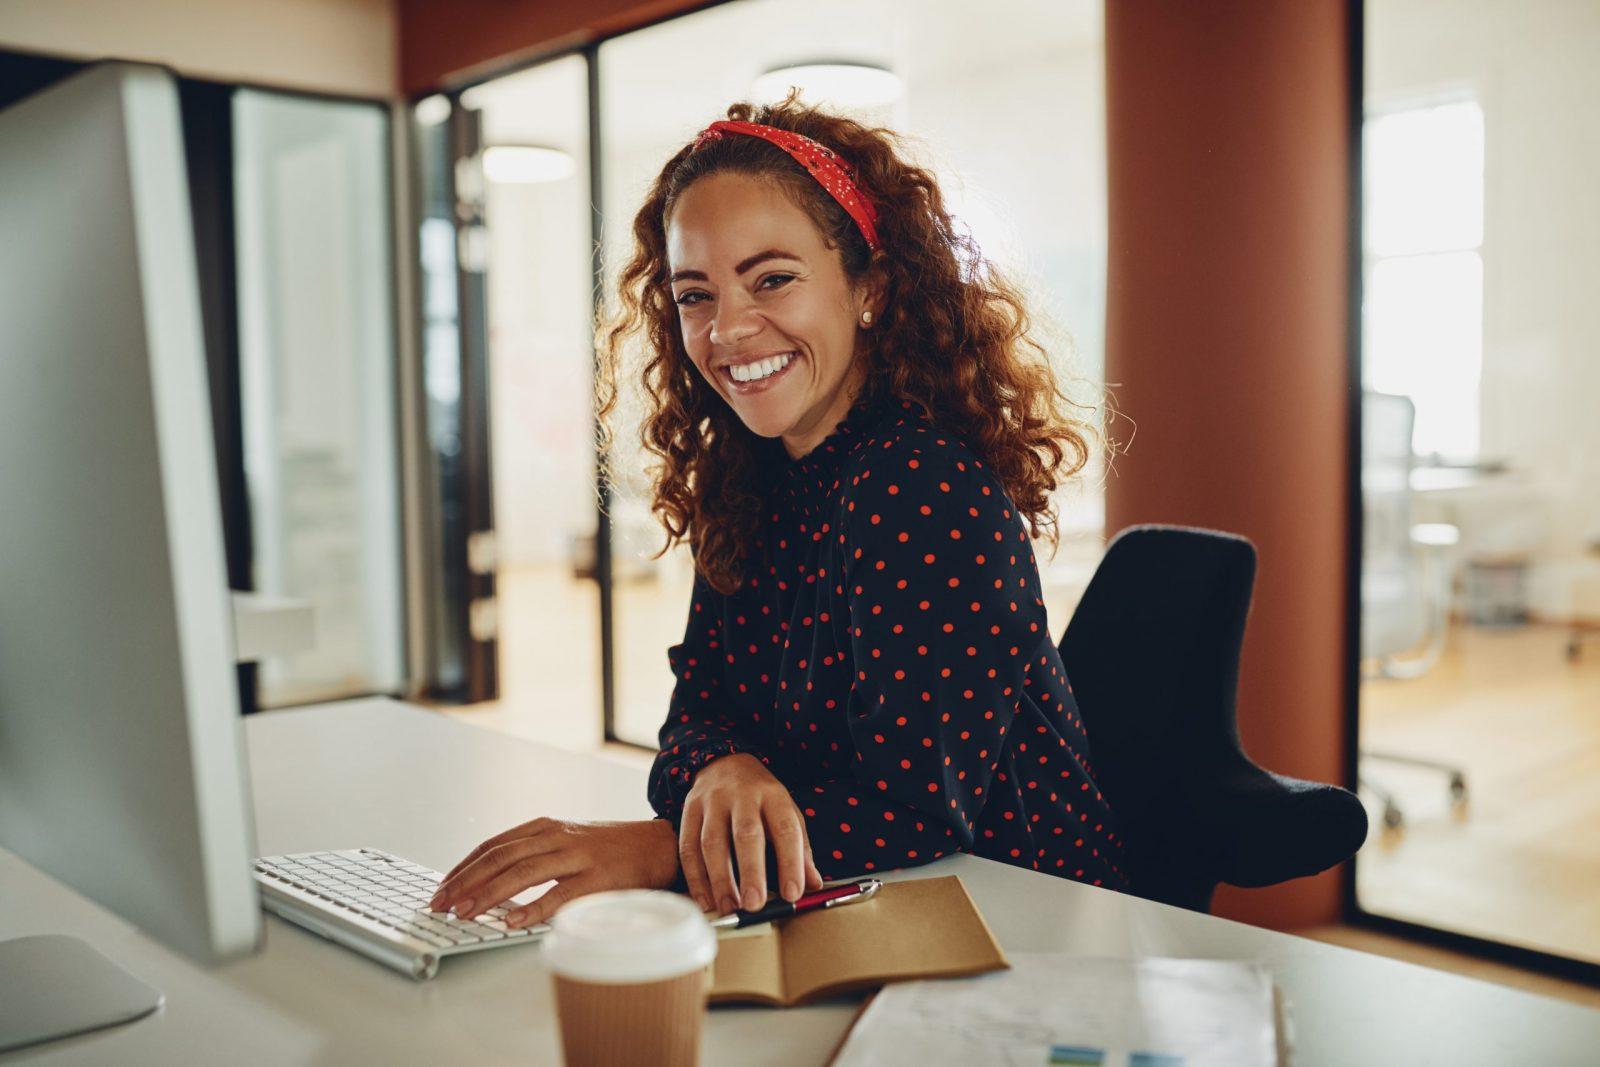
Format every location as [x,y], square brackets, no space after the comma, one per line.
[582,857]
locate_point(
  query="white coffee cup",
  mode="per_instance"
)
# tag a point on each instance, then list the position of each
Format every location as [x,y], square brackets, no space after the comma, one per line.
[631,969]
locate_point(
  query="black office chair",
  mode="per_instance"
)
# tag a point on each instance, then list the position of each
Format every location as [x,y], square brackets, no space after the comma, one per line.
[1152,653]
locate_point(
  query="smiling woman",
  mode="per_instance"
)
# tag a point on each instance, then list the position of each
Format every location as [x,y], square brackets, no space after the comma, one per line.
[774,332]
[855,433]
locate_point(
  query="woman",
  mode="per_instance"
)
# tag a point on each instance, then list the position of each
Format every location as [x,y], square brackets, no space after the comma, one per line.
[852,424]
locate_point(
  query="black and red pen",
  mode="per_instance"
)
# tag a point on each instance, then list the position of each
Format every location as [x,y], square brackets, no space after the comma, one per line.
[778,908]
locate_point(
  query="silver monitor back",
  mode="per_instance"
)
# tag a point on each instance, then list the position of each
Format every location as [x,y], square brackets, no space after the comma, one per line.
[122,768]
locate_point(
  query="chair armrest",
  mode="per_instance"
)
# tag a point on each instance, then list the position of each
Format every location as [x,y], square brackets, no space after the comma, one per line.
[1269,828]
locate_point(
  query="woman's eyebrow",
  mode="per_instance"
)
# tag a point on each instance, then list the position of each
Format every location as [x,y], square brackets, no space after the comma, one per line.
[744,265]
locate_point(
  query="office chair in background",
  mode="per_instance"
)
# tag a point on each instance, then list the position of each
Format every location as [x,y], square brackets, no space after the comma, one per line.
[1405,575]
[1582,628]
[1152,653]
[1406,580]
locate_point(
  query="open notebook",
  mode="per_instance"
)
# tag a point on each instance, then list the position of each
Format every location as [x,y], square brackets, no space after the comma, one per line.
[922,928]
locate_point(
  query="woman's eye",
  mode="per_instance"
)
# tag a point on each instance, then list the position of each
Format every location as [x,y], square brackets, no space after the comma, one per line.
[685,301]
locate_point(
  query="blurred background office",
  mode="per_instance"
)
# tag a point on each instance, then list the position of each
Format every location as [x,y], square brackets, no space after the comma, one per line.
[1480,698]
[1333,259]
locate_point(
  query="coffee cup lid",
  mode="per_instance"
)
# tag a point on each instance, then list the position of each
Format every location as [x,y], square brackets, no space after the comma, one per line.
[629,935]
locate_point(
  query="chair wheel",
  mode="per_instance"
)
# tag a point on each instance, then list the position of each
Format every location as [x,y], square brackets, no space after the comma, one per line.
[1393,817]
[1458,788]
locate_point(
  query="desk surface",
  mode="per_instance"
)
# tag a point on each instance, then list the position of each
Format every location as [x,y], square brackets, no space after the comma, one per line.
[380,773]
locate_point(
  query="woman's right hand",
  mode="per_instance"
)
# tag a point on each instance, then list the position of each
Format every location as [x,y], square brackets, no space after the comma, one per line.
[733,809]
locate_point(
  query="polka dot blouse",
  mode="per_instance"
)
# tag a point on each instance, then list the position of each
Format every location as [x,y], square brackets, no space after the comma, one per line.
[889,661]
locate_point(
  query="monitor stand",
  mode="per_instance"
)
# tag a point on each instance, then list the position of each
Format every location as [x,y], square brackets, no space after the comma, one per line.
[54,986]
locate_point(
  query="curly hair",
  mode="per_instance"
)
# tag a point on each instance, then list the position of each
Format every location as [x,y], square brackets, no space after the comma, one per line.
[954,339]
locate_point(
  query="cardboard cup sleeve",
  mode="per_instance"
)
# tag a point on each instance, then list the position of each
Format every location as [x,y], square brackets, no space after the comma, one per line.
[652,1022]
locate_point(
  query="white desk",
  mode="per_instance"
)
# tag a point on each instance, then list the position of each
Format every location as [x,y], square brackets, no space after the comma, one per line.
[380,773]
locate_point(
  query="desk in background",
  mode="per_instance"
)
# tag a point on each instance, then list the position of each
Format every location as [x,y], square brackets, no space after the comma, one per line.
[394,776]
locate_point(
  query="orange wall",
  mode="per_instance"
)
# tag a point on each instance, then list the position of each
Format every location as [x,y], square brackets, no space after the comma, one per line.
[1226,318]
[441,43]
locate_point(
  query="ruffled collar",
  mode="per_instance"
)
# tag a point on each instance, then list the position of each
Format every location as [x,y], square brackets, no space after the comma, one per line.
[807,481]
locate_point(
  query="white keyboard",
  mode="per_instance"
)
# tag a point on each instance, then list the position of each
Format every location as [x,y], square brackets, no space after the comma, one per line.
[377,904]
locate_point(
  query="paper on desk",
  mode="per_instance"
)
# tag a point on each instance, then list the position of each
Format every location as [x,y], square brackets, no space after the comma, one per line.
[1089,1010]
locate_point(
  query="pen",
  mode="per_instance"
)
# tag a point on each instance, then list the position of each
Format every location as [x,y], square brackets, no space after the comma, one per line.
[848,893]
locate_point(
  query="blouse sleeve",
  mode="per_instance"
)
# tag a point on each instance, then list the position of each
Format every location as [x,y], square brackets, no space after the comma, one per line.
[945,609]
[703,722]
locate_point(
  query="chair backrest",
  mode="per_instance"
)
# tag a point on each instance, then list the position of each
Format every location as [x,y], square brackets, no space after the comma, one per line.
[1387,420]
[1393,612]
[1152,654]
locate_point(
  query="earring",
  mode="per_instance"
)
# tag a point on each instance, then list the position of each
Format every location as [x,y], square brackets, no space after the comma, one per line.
[866,318]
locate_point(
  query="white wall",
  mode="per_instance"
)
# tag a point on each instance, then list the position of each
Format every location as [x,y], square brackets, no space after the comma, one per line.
[336,46]
[1535,69]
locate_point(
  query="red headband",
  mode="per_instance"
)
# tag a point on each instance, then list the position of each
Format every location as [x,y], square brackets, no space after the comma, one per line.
[820,162]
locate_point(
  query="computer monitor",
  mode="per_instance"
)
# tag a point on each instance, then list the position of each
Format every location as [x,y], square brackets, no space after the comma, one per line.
[122,769]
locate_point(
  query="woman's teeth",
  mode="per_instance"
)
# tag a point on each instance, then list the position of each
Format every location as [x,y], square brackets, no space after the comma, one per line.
[750,372]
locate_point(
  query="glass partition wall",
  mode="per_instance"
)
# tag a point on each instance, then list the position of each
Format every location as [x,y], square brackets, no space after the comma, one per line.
[966,85]
[1479,706]
[316,353]
[535,172]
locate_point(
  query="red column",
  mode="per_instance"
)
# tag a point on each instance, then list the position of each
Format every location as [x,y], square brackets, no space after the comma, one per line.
[1227,141]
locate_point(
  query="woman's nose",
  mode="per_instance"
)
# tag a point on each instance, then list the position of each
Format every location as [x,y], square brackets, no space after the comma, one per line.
[734,321]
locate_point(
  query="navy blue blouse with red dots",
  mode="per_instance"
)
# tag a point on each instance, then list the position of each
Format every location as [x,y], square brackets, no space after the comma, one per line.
[889,661]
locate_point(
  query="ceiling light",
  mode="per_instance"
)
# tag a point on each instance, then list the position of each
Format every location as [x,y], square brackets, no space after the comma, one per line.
[477,97]
[842,83]
[524,163]
[432,110]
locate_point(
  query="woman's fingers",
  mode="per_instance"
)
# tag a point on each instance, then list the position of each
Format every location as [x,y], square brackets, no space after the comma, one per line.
[527,829]
[813,876]
[540,910]
[471,885]
[789,846]
[691,861]
[714,850]
[524,873]
[750,848]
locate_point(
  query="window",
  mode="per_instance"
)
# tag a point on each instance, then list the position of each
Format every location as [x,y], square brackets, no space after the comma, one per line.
[1423,310]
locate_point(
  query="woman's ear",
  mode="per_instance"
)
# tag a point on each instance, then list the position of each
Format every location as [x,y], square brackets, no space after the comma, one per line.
[871,295]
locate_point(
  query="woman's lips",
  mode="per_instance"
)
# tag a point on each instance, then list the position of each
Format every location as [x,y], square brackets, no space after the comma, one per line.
[760,385]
